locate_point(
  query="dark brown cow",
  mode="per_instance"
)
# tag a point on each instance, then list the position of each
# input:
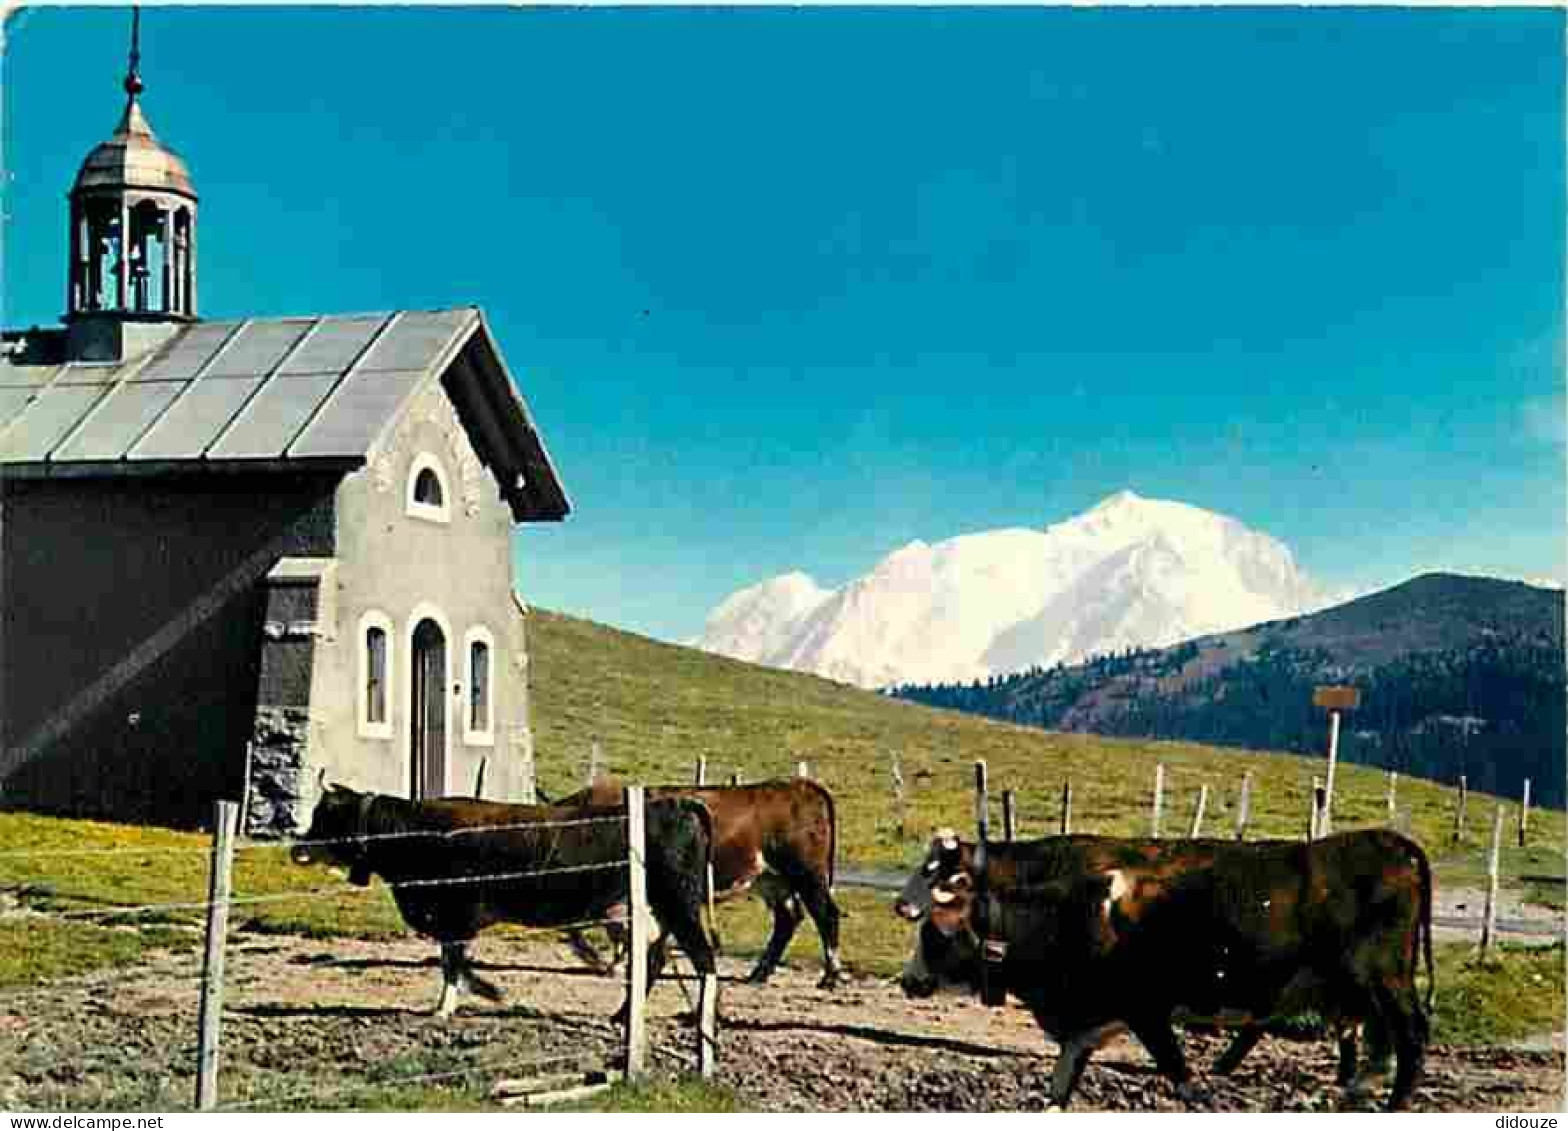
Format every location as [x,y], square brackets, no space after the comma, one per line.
[1239,933]
[777,839]
[457,865]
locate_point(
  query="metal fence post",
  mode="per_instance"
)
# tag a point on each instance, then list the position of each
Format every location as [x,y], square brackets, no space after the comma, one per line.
[1067,807]
[1393,803]
[898,793]
[1524,813]
[702,769]
[1459,810]
[802,770]
[637,956]
[1009,817]
[210,1018]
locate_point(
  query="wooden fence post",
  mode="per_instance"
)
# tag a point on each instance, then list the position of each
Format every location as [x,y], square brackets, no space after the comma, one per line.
[1393,804]
[1159,799]
[594,762]
[1244,806]
[210,1020]
[1326,817]
[982,803]
[637,955]
[1524,813]
[1459,810]
[1489,920]
[702,769]
[708,1027]
[1316,808]
[1067,807]
[1009,817]
[898,793]
[1197,814]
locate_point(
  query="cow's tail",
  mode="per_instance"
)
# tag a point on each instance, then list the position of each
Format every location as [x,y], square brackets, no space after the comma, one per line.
[1425,869]
[705,818]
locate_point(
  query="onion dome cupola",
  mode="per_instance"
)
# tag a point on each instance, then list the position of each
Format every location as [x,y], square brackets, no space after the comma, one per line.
[133,222]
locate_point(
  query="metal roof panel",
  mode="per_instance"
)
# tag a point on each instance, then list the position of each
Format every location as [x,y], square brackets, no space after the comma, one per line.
[416,339]
[121,419]
[195,420]
[47,421]
[12,402]
[183,355]
[27,376]
[357,413]
[274,417]
[334,345]
[256,350]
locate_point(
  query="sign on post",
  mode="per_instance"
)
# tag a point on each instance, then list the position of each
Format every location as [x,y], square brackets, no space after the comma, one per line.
[1332,699]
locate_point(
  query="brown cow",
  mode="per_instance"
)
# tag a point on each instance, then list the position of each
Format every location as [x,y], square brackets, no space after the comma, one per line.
[775,839]
[1237,934]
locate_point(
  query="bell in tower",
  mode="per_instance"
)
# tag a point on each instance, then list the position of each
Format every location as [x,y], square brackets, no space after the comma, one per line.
[133,224]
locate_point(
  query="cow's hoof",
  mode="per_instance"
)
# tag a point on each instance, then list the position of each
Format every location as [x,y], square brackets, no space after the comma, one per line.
[759,976]
[831,980]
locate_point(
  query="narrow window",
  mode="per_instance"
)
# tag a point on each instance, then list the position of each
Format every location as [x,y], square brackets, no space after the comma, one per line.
[479,686]
[375,675]
[427,489]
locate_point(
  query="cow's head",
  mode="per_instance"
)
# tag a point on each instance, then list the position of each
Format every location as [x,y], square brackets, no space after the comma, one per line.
[945,858]
[335,836]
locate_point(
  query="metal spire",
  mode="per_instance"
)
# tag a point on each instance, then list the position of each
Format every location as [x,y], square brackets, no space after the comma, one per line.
[133,75]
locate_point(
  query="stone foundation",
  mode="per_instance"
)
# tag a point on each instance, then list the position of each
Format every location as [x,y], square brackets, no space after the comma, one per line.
[276,793]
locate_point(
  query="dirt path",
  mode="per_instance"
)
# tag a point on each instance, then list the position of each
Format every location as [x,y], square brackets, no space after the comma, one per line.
[308,1022]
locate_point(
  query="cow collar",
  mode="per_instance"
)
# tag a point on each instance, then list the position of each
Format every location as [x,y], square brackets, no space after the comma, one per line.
[993,948]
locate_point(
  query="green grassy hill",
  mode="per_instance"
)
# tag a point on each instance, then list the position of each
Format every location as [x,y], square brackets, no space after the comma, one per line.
[656,708]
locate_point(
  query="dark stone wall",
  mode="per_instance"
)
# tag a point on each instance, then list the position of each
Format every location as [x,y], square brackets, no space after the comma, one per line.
[130,630]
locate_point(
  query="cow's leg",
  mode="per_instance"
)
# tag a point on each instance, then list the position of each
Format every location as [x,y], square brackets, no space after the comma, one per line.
[1399,1008]
[825,914]
[1347,1054]
[1245,1042]
[452,963]
[1156,1035]
[787,914]
[1071,1060]
[1379,1053]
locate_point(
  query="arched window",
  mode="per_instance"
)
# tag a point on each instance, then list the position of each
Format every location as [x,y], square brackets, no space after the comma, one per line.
[375,676]
[427,493]
[479,710]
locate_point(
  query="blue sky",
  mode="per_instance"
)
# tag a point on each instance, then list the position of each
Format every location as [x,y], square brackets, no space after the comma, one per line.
[790,288]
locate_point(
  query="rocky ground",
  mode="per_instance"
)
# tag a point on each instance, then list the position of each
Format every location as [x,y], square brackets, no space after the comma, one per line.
[315,1023]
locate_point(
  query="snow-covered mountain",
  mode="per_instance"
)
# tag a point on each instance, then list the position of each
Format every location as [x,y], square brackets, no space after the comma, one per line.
[1131,572]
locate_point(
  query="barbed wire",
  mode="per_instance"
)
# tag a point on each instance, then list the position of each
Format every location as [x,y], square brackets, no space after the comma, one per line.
[402,1081]
[334,890]
[273,846]
[467,830]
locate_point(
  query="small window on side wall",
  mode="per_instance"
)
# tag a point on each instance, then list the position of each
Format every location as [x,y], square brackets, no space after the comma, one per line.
[478,723]
[375,676]
[427,489]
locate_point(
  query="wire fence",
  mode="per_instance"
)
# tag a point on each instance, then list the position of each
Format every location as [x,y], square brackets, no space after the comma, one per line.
[546,856]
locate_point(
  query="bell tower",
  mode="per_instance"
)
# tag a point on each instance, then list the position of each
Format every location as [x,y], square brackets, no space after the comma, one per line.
[133,229]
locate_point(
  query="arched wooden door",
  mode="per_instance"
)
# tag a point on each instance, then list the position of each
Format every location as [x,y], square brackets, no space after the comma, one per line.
[427,712]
